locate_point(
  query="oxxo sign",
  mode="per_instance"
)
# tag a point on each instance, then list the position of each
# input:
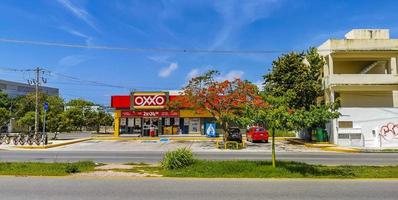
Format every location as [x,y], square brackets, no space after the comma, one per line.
[149,100]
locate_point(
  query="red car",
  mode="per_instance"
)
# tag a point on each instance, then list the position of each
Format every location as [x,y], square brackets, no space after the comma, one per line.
[257,134]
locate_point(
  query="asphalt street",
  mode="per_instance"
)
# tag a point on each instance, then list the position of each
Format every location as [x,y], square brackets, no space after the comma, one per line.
[327,158]
[42,188]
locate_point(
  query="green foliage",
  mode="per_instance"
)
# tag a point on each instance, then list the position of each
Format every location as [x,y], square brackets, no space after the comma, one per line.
[177,159]
[81,103]
[299,82]
[4,100]
[26,122]
[44,169]
[58,119]
[4,116]
[72,168]
[75,118]
[293,88]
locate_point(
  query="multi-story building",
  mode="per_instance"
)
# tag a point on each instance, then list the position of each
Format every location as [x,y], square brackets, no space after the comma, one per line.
[14,89]
[361,70]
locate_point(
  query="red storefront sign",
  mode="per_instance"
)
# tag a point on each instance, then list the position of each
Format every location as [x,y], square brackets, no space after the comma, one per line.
[142,100]
[166,113]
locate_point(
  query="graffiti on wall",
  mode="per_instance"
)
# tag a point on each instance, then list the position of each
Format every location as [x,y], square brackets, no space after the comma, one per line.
[389,131]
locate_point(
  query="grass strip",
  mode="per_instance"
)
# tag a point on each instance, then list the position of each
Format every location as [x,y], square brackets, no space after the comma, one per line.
[284,169]
[44,169]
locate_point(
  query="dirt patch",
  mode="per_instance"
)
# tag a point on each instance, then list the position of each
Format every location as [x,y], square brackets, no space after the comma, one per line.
[111,173]
[114,166]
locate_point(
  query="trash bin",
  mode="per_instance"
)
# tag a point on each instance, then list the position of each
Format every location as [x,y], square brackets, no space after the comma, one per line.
[319,135]
[325,136]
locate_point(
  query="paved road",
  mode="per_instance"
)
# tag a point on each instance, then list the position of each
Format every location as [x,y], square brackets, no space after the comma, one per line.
[152,157]
[39,188]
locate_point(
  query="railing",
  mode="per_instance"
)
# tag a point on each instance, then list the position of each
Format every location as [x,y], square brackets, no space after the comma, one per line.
[364,79]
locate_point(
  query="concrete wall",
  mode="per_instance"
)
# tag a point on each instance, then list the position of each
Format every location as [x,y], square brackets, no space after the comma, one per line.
[366,99]
[368,119]
[355,67]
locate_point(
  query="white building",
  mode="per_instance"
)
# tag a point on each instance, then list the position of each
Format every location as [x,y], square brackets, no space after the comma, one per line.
[361,70]
[14,89]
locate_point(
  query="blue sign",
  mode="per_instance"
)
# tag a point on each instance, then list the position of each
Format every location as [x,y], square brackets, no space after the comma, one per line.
[210,130]
[45,106]
[164,140]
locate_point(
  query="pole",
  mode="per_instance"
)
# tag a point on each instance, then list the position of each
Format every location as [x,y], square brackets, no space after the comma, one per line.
[37,100]
[10,122]
[273,148]
[44,127]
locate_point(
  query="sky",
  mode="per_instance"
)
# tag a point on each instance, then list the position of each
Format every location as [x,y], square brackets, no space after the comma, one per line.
[236,25]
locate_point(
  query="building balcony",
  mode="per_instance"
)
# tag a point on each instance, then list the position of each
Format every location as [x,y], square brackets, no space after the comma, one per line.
[361,79]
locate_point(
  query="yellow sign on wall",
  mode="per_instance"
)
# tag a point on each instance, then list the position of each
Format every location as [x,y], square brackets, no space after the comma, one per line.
[194,113]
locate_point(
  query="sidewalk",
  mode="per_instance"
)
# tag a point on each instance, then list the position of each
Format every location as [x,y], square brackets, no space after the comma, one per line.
[325,146]
[51,144]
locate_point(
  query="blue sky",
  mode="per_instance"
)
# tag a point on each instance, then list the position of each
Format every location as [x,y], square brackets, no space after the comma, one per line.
[184,24]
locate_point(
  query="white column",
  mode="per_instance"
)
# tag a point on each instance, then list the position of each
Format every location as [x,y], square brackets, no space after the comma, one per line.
[333,135]
[330,64]
[395,98]
[393,65]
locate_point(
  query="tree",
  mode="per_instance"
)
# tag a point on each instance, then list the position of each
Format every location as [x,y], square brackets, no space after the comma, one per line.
[4,100]
[54,113]
[27,121]
[275,115]
[81,103]
[75,118]
[225,100]
[296,77]
[4,116]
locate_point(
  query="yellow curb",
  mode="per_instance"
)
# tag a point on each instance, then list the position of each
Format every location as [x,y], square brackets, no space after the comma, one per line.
[342,150]
[171,138]
[53,145]
[319,145]
[157,138]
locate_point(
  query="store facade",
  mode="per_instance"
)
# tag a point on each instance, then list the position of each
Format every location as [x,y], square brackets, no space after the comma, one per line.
[147,114]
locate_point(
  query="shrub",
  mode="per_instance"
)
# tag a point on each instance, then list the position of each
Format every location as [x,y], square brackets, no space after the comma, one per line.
[180,158]
[71,168]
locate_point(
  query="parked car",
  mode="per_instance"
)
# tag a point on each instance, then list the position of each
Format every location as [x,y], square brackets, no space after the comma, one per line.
[234,134]
[257,134]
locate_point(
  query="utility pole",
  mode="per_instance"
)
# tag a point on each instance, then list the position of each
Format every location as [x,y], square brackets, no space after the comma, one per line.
[37,82]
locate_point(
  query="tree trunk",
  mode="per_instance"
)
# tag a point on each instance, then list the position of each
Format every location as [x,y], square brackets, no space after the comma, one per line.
[273,148]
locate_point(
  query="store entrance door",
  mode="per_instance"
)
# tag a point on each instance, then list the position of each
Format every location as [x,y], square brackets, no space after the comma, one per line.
[150,127]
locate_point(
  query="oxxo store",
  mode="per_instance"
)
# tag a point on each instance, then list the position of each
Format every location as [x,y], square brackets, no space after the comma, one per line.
[146,114]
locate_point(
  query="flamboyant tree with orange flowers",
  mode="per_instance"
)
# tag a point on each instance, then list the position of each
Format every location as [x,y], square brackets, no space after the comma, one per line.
[225,100]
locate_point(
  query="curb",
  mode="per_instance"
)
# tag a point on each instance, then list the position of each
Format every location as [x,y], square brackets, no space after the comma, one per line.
[342,150]
[54,145]
[156,139]
[326,147]
[171,138]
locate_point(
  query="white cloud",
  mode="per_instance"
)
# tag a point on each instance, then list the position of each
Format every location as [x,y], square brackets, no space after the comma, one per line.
[231,75]
[166,71]
[236,15]
[72,60]
[259,84]
[192,74]
[159,59]
[74,32]
[88,39]
[79,12]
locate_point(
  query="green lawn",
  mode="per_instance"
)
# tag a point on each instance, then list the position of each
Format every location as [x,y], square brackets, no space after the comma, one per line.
[283,133]
[44,169]
[263,169]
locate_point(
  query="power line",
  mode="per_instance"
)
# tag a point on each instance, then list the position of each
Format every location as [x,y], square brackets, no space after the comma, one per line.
[174,50]
[169,50]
